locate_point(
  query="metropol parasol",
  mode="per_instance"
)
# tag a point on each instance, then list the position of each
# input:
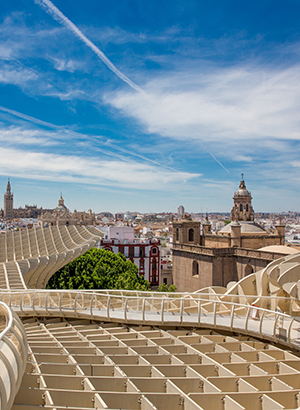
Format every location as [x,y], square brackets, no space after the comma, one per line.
[235,348]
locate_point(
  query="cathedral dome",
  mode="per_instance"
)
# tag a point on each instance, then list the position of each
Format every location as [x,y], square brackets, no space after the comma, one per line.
[247,228]
[242,191]
[61,205]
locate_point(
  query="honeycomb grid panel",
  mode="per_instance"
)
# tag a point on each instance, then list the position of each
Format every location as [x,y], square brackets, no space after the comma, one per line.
[76,364]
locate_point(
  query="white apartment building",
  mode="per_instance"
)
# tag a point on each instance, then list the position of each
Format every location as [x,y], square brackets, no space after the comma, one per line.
[145,253]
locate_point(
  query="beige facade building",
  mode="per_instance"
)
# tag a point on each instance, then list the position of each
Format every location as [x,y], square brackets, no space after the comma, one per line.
[201,258]
[61,215]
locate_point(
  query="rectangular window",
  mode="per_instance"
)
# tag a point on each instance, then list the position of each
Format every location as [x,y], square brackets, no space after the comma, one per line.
[131,252]
[121,249]
[142,252]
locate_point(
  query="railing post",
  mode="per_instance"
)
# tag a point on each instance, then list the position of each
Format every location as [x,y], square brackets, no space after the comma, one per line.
[91,305]
[276,304]
[274,327]
[261,322]
[231,316]
[46,304]
[143,314]
[75,307]
[162,310]
[21,304]
[108,303]
[125,308]
[181,311]
[199,311]
[60,303]
[289,333]
[247,319]
[33,300]
[215,313]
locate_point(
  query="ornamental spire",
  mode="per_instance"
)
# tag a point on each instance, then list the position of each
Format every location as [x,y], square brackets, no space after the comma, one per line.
[242,183]
[8,188]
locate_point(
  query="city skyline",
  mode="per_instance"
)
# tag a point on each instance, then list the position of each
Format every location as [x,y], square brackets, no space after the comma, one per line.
[149,106]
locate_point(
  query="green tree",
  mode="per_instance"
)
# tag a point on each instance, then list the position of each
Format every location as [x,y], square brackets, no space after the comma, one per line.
[164,288]
[99,269]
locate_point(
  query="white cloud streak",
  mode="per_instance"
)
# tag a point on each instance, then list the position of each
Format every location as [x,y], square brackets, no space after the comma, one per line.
[72,168]
[62,19]
[20,136]
[19,77]
[234,104]
[62,133]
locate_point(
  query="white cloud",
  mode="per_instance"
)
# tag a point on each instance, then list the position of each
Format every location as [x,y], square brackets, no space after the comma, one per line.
[72,168]
[20,136]
[67,95]
[234,104]
[16,76]
[66,65]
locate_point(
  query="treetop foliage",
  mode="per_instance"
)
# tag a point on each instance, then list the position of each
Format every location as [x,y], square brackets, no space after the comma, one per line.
[99,269]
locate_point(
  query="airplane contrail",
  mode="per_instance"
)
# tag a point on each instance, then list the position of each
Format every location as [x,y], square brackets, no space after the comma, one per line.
[28,118]
[73,134]
[218,162]
[62,19]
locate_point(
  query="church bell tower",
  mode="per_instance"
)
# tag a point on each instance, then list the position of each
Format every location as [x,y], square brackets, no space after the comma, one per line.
[8,202]
[242,208]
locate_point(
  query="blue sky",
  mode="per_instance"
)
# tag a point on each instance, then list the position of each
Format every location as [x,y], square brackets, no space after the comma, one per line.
[144,106]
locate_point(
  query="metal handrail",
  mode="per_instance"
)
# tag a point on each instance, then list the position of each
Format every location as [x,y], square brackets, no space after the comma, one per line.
[13,338]
[9,322]
[158,295]
[207,313]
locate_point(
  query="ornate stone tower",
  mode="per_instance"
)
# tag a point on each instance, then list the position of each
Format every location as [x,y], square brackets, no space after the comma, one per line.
[186,231]
[8,203]
[242,208]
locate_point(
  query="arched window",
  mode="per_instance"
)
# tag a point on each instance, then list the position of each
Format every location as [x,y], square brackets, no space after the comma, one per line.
[195,268]
[248,270]
[241,208]
[191,235]
[177,234]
